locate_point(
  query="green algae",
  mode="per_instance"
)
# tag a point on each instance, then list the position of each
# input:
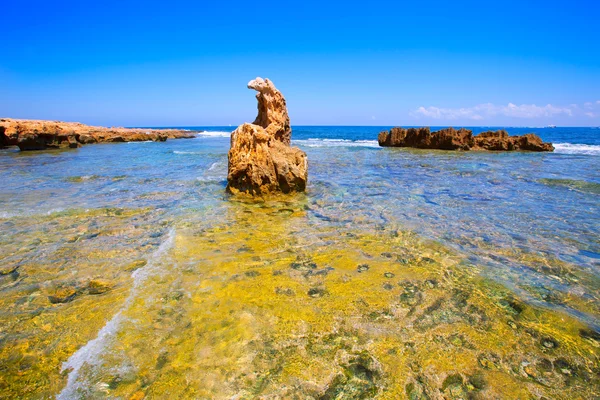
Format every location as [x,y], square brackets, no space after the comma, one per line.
[573,184]
[278,304]
[84,178]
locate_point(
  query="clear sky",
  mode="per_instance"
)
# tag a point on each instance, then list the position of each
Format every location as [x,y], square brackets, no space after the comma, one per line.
[161,63]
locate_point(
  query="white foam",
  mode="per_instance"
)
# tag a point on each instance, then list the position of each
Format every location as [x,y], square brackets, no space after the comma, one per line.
[90,353]
[214,165]
[571,148]
[312,142]
[55,210]
[214,133]
[186,152]
[6,214]
[209,179]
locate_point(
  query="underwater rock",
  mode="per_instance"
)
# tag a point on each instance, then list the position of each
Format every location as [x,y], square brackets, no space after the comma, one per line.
[62,295]
[40,135]
[317,292]
[260,158]
[590,334]
[362,268]
[461,139]
[8,269]
[285,291]
[98,286]
[549,343]
[360,378]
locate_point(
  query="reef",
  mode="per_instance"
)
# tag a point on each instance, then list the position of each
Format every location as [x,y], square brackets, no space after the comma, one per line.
[267,303]
[461,139]
[41,135]
[261,159]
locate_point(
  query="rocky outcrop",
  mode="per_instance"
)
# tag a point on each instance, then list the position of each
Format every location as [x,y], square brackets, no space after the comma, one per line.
[461,139]
[501,141]
[260,158]
[40,135]
[423,138]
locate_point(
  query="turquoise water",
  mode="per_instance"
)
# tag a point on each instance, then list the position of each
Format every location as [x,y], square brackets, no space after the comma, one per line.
[479,203]
[527,221]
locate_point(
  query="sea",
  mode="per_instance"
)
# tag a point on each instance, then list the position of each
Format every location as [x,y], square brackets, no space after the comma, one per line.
[127,272]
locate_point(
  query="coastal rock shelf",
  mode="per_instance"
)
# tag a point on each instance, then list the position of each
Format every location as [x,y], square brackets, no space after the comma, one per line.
[461,139]
[260,158]
[40,135]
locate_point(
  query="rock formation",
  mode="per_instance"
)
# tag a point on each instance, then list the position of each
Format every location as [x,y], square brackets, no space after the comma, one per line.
[461,139]
[40,135]
[499,140]
[260,158]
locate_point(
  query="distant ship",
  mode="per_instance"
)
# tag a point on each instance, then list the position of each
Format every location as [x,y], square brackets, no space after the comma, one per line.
[551,126]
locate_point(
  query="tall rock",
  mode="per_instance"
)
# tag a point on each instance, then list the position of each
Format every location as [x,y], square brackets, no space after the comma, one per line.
[260,158]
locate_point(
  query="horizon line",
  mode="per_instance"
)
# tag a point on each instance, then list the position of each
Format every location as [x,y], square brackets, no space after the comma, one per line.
[372,126]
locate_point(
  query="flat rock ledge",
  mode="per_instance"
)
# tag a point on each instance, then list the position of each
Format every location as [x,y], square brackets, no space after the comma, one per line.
[260,159]
[461,139]
[41,135]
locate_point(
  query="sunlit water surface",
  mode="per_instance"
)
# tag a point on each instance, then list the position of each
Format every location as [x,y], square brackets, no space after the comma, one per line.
[126,272]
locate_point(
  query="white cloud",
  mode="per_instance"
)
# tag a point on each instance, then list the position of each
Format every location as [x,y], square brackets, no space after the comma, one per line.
[487,110]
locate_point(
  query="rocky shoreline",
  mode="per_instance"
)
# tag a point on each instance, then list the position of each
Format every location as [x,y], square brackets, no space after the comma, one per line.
[461,139]
[41,135]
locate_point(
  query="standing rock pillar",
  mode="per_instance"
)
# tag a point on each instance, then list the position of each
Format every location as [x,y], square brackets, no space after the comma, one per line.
[261,159]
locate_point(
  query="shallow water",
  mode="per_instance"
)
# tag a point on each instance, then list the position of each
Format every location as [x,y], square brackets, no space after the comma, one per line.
[127,272]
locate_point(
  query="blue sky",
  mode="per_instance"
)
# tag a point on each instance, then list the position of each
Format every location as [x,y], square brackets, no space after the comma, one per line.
[156,63]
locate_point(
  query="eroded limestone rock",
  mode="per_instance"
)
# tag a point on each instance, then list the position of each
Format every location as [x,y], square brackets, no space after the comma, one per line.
[461,139]
[260,158]
[41,135]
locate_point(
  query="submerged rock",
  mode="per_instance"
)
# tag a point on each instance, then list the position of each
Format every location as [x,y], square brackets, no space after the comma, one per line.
[98,286]
[8,269]
[359,378]
[62,295]
[461,139]
[40,135]
[261,159]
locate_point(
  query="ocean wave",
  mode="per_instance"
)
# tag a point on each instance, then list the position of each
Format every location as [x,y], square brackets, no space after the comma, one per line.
[90,354]
[214,133]
[215,165]
[313,142]
[209,179]
[8,215]
[574,148]
[186,152]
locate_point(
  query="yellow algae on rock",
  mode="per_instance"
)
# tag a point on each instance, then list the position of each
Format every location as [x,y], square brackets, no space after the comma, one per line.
[241,322]
[271,304]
